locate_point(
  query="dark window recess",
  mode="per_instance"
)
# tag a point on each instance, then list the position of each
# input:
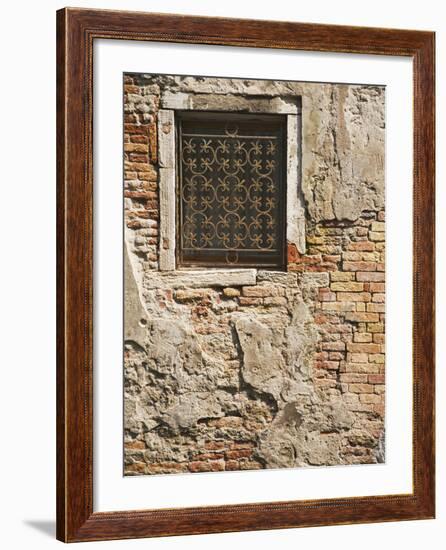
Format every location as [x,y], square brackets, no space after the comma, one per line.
[232,189]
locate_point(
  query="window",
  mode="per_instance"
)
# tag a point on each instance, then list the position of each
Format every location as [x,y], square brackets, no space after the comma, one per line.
[232,190]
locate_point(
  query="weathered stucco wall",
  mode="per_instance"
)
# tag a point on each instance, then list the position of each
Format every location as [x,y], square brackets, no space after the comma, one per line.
[274,369]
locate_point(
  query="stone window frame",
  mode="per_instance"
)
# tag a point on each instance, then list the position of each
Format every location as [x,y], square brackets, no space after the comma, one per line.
[166,131]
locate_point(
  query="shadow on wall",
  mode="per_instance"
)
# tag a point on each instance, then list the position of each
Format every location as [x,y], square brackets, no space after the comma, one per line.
[45,526]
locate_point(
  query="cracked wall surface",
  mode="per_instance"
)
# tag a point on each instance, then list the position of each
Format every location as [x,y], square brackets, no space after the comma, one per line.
[253,369]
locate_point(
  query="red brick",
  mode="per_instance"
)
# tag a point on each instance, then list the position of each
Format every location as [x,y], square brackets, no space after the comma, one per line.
[379,409]
[363,337]
[320,319]
[363,348]
[208,456]
[354,296]
[131,89]
[348,286]
[293,254]
[326,295]
[377,358]
[136,148]
[130,118]
[370,398]
[341,276]
[324,384]
[358,357]
[227,422]
[328,365]
[359,266]
[362,316]
[242,445]
[375,327]
[191,295]
[144,195]
[364,246]
[139,138]
[377,378]
[240,453]
[135,128]
[250,301]
[130,175]
[215,445]
[376,308]
[357,378]
[232,465]
[148,176]
[361,368]
[331,258]
[153,143]
[377,287]
[137,157]
[334,327]
[199,466]
[352,256]
[135,224]
[259,291]
[333,346]
[135,445]
[165,467]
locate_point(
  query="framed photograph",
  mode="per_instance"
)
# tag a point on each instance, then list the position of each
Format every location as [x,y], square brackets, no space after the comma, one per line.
[245,275]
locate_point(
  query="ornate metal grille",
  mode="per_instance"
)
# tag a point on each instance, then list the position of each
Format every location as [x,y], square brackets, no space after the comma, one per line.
[231,190]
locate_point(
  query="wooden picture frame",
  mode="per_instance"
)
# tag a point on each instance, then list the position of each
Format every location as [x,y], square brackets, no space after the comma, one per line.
[76,31]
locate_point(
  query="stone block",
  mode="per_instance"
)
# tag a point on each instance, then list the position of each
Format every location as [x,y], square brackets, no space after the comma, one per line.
[231,292]
[376,236]
[166,138]
[378,226]
[347,287]
[167,219]
[201,279]
[277,277]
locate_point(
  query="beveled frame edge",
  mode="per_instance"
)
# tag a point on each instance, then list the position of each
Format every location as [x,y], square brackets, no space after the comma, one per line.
[76,30]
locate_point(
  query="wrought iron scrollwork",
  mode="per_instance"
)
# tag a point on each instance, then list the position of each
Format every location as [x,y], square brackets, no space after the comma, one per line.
[231,186]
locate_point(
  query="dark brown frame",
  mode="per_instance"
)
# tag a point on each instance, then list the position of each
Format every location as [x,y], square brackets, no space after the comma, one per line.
[76,31]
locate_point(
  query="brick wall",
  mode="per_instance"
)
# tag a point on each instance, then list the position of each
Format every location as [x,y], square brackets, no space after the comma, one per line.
[285,372]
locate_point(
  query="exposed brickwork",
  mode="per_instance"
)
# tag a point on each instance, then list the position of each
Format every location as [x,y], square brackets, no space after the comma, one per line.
[141,201]
[326,315]
[351,350]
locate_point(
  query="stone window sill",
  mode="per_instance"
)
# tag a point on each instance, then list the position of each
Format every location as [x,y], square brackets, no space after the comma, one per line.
[201,278]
